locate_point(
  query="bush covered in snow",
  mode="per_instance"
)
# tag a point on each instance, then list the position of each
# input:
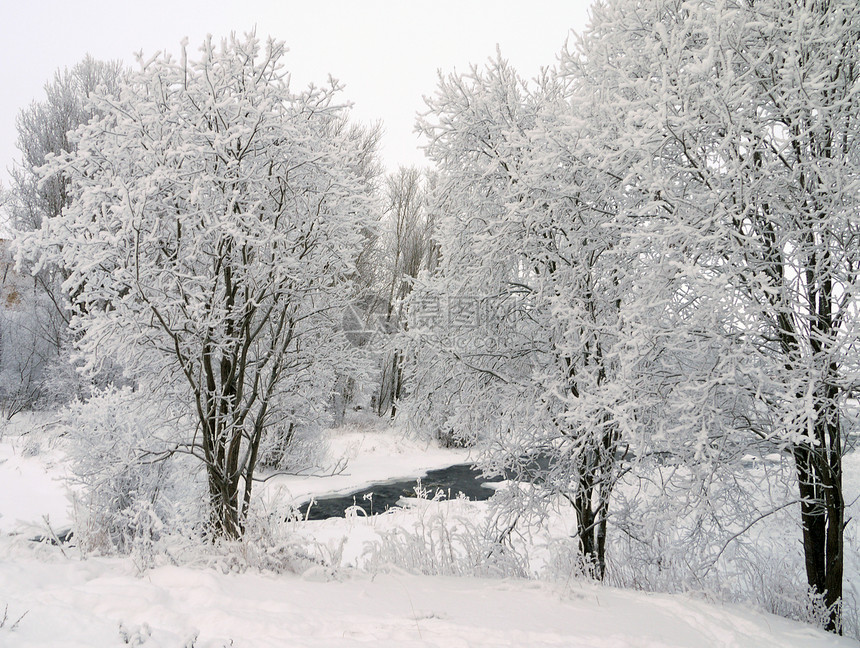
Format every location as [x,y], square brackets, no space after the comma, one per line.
[132,492]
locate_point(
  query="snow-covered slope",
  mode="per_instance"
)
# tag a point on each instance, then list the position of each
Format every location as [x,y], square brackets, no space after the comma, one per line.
[54,598]
[97,603]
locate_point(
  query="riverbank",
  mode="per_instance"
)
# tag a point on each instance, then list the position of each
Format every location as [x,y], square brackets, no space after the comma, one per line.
[363,451]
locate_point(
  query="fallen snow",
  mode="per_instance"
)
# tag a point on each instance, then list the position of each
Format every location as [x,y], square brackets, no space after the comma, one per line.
[53,597]
[33,487]
[100,602]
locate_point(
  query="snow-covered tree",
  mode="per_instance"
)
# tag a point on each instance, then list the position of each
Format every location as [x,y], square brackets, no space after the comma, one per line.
[25,352]
[517,333]
[210,244]
[44,129]
[405,248]
[735,133]
[350,392]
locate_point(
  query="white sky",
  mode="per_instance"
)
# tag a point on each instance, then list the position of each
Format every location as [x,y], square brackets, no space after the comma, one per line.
[387,52]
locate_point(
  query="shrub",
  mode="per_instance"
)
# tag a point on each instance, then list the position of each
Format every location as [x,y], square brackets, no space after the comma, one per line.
[132,493]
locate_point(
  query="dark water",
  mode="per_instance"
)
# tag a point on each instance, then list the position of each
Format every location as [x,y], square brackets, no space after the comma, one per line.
[461,478]
[62,537]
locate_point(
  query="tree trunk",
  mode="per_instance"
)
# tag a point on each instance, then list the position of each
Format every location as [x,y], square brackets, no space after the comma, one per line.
[591,504]
[223,505]
[389,384]
[822,511]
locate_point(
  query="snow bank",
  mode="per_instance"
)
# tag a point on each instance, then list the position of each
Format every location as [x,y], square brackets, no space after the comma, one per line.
[100,602]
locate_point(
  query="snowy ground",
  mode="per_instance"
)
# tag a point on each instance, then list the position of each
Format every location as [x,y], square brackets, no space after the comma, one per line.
[33,484]
[53,597]
[102,603]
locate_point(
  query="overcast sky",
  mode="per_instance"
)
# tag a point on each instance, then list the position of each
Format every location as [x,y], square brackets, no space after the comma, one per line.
[386,52]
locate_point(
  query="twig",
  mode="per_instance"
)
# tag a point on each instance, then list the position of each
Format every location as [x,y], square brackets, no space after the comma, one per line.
[15,625]
[6,618]
[54,536]
[735,536]
[338,469]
